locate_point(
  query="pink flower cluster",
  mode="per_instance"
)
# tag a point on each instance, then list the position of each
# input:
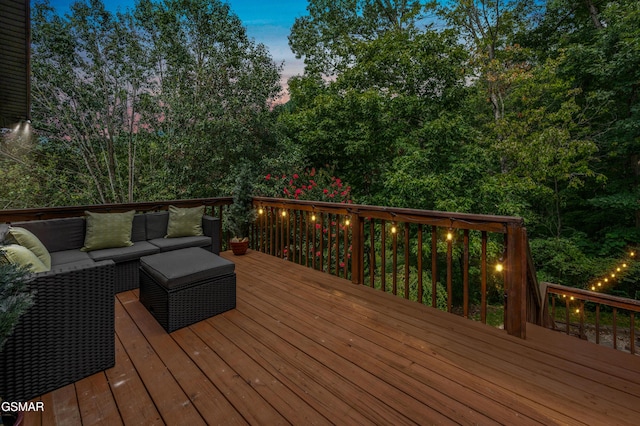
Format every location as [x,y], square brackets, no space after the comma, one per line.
[312,185]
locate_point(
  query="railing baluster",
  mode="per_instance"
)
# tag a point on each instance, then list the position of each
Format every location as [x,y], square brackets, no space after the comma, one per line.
[566,314]
[272,232]
[465,273]
[553,311]
[632,332]
[483,279]
[294,246]
[449,275]
[345,243]
[306,239]
[420,263]
[598,323]
[372,253]
[394,249]
[615,328]
[314,230]
[337,246]
[581,318]
[383,256]
[434,266]
[329,242]
[406,260]
[322,242]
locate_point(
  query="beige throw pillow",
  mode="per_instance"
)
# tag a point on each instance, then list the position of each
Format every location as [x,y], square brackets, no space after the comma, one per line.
[108,230]
[185,222]
[22,256]
[25,238]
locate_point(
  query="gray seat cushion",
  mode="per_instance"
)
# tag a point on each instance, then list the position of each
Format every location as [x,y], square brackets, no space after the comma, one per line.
[69,256]
[166,244]
[124,254]
[182,267]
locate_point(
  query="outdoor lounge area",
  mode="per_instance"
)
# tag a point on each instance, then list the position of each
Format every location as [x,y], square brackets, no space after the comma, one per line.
[305,347]
[321,332]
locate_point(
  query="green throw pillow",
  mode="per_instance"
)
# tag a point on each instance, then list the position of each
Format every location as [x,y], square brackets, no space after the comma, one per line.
[25,238]
[108,230]
[22,256]
[184,222]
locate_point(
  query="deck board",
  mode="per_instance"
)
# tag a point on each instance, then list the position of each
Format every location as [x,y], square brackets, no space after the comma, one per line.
[304,347]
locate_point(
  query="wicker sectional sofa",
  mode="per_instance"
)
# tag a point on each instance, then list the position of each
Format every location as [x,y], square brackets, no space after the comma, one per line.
[68,334]
[63,238]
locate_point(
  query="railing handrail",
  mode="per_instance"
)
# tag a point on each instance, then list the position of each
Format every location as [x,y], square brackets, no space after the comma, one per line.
[592,296]
[15,215]
[477,222]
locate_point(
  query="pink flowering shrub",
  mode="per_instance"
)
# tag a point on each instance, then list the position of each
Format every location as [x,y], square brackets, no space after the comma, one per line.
[312,184]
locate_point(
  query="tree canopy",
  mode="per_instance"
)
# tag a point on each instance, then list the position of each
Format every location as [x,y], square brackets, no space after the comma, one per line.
[510,107]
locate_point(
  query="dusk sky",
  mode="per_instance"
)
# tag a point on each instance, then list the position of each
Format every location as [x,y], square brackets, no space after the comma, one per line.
[267,21]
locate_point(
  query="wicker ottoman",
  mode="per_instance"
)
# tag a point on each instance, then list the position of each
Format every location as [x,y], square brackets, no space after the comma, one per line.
[181,287]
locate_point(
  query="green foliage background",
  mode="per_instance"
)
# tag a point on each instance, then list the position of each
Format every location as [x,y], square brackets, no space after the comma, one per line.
[514,107]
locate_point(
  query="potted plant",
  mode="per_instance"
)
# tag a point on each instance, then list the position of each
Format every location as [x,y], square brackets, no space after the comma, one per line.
[241,213]
[15,300]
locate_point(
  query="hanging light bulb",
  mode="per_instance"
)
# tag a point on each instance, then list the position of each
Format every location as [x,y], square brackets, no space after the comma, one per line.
[499,267]
[593,288]
[313,217]
[260,210]
[347,221]
[450,234]
[577,311]
[284,213]
[599,284]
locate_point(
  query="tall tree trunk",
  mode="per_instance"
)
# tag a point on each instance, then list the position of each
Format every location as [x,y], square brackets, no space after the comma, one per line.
[593,13]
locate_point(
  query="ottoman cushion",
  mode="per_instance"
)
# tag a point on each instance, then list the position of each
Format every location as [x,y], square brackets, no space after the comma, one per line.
[178,268]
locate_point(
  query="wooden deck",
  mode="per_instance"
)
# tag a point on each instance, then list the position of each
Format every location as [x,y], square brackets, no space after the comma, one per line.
[304,347]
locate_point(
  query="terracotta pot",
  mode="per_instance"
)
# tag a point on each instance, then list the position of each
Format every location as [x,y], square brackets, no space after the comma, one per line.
[239,248]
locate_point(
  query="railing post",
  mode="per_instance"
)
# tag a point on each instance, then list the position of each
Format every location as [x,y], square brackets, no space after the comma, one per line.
[357,251]
[516,282]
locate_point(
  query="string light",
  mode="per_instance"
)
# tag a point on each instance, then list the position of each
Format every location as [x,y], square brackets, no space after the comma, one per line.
[499,267]
[618,269]
[313,217]
[260,210]
[284,213]
[393,228]
[347,221]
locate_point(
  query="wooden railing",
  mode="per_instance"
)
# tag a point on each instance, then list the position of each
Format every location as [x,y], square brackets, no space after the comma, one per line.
[579,312]
[443,259]
[431,257]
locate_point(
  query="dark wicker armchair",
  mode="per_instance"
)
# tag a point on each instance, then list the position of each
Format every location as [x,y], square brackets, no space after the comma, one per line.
[68,334]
